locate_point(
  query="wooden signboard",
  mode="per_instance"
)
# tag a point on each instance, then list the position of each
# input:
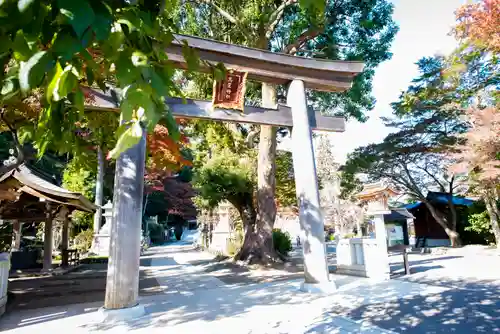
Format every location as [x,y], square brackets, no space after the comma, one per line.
[230,93]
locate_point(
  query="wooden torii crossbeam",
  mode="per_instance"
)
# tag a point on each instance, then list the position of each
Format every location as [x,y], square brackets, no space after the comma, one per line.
[265,66]
[279,116]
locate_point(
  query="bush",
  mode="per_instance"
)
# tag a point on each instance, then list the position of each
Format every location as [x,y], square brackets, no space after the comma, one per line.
[479,230]
[156,233]
[83,241]
[282,241]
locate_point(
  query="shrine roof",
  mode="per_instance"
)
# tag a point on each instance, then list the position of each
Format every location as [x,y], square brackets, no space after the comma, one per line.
[375,188]
[24,180]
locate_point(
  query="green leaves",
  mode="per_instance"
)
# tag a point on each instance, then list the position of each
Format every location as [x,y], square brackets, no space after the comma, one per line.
[78,13]
[32,72]
[136,98]
[79,101]
[62,83]
[22,5]
[48,46]
[318,5]
[139,59]
[21,49]
[65,45]
[128,138]
[173,129]
[103,20]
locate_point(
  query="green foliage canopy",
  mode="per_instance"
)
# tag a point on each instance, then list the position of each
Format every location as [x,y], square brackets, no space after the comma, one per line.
[59,46]
[225,177]
[336,30]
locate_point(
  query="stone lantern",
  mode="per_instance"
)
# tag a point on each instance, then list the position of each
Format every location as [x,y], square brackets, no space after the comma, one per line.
[377,195]
[101,240]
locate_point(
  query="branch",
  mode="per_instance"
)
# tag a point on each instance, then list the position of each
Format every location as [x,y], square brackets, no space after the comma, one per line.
[451,184]
[276,17]
[20,158]
[219,10]
[412,181]
[443,188]
[302,39]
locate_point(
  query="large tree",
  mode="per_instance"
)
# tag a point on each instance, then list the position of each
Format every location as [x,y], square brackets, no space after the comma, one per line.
[50,49]
[414,158]
[478,31]
[341,29]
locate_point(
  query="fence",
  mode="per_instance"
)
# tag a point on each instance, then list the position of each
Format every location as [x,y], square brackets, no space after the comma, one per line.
[4,280]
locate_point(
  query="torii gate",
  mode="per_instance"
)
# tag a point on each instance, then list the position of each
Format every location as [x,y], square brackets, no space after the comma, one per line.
[300,73]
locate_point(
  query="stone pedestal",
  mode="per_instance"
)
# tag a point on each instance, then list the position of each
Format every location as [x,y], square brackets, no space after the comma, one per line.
[362,257]
[222,229]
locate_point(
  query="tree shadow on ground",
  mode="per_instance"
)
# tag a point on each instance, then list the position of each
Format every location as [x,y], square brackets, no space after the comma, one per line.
[85,285]
[397,272]
[459,307]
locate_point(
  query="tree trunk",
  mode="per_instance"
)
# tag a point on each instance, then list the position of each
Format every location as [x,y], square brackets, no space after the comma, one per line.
[255,243]
[262,237]
[494,214]
[448,228]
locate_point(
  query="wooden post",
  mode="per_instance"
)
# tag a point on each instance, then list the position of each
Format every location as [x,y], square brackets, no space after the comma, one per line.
[310,217]
[64,242]
[122,285]
[16,240]
[47,239]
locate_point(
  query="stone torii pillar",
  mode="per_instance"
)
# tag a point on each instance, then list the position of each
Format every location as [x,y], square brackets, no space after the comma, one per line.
[306,184]
[122,283]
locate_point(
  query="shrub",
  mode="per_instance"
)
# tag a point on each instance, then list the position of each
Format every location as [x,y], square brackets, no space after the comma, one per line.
[83,241]
[282,241]
[479,229]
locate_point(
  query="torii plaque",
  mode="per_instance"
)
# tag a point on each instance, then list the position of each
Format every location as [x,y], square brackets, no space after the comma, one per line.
[300,73]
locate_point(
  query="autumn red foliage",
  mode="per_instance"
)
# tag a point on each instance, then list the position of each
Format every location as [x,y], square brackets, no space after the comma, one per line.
[165,159]
[480,23]
[165,153]
[481,149]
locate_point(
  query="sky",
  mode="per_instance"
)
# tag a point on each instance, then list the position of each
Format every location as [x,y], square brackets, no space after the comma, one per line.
[424,28]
